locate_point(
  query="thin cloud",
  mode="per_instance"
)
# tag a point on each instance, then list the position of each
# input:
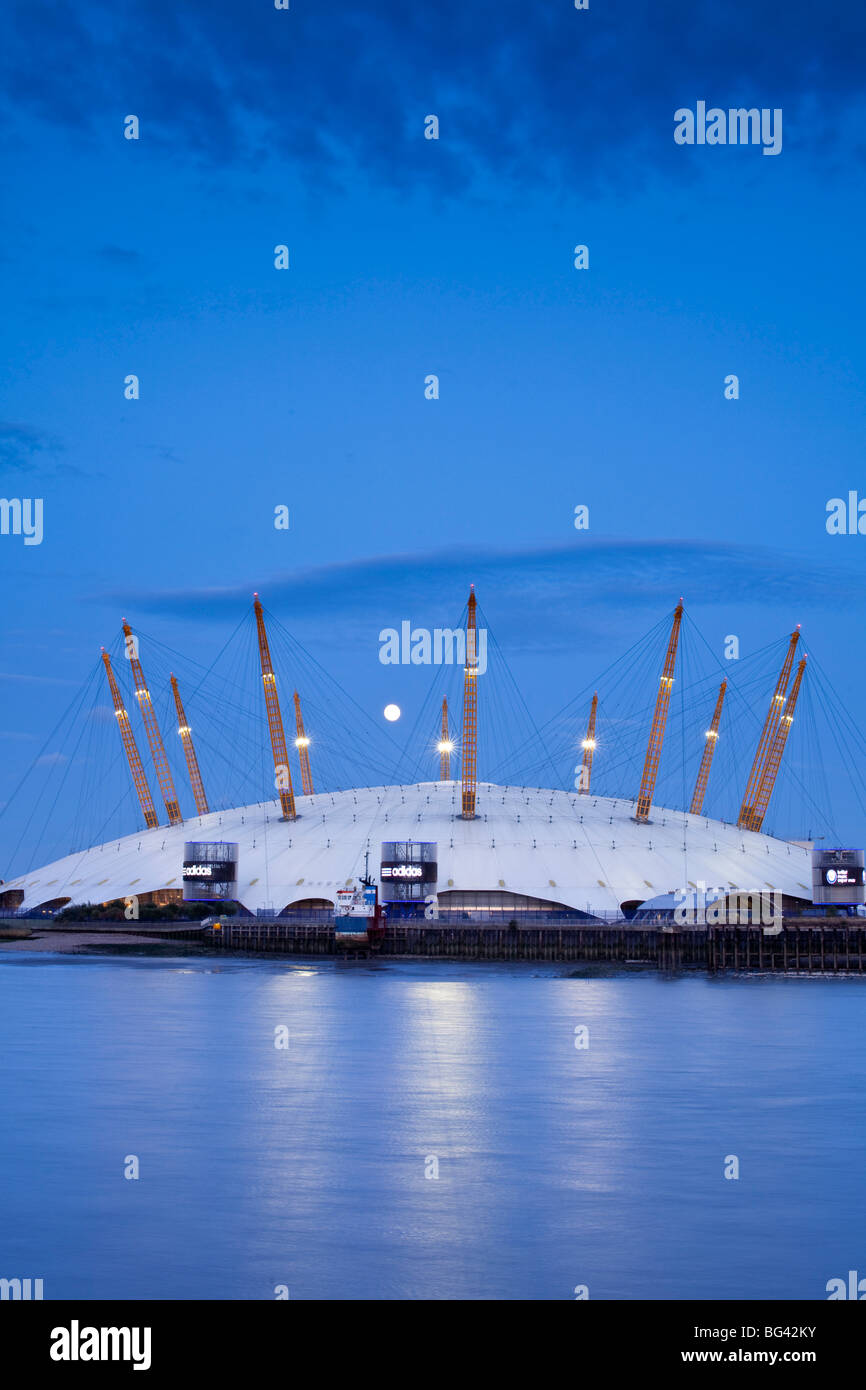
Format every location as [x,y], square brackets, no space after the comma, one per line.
[22,447]
[120,256]
[524,93]
[549,593]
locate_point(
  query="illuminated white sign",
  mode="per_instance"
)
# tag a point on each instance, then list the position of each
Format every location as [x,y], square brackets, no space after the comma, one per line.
[404,871]
[844,878]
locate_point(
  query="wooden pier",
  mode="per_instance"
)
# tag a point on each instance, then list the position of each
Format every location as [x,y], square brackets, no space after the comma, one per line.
[803,946]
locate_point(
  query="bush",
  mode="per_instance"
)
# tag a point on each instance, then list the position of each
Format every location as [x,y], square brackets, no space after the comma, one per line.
[170,912]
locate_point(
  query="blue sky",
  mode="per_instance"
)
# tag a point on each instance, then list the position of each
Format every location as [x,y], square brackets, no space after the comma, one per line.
[305,387]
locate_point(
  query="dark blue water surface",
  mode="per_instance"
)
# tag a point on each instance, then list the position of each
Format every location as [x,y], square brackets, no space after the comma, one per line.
[306,1167]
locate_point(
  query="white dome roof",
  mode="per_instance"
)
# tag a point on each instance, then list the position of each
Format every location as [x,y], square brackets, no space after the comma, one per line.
[584,852]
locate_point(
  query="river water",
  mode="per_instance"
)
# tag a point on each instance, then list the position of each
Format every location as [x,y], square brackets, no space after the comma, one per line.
[312,1168]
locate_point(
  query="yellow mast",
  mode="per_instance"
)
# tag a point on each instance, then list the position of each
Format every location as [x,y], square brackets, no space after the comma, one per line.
[154,737]
[192,767]
[445,747]
[660,718]
[469,750]
[588,747]
[711,738]
[283,775]
[130,748]
[768,733]
[302,743]
[774,757]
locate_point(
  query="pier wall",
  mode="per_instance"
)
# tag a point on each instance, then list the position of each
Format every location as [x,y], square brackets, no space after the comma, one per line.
[810,946]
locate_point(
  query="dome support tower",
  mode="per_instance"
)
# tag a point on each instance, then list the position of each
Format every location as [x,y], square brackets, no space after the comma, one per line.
[302,743]
[130,748]
[712,736]
[445,746]
[774,757]
[192,767]
[768,733]
[469,750]
[588,747]
[154,737]
[660,719]
[282,771]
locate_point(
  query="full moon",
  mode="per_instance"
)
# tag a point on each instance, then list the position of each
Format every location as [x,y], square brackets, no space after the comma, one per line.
[392,712]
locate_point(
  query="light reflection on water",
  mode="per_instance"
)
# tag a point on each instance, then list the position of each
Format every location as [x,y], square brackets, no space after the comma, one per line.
[306,1166]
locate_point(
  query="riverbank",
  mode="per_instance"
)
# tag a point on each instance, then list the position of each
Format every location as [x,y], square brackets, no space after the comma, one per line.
[67,939]
[824,946]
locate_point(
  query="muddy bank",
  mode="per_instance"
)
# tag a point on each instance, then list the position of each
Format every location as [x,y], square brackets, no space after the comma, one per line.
[102,936]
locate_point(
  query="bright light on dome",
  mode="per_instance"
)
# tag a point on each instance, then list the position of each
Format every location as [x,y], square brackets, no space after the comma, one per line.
[302,743]
[391,712]
[446,746]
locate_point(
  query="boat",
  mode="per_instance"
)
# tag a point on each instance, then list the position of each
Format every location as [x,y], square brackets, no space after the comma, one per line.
[359,918]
